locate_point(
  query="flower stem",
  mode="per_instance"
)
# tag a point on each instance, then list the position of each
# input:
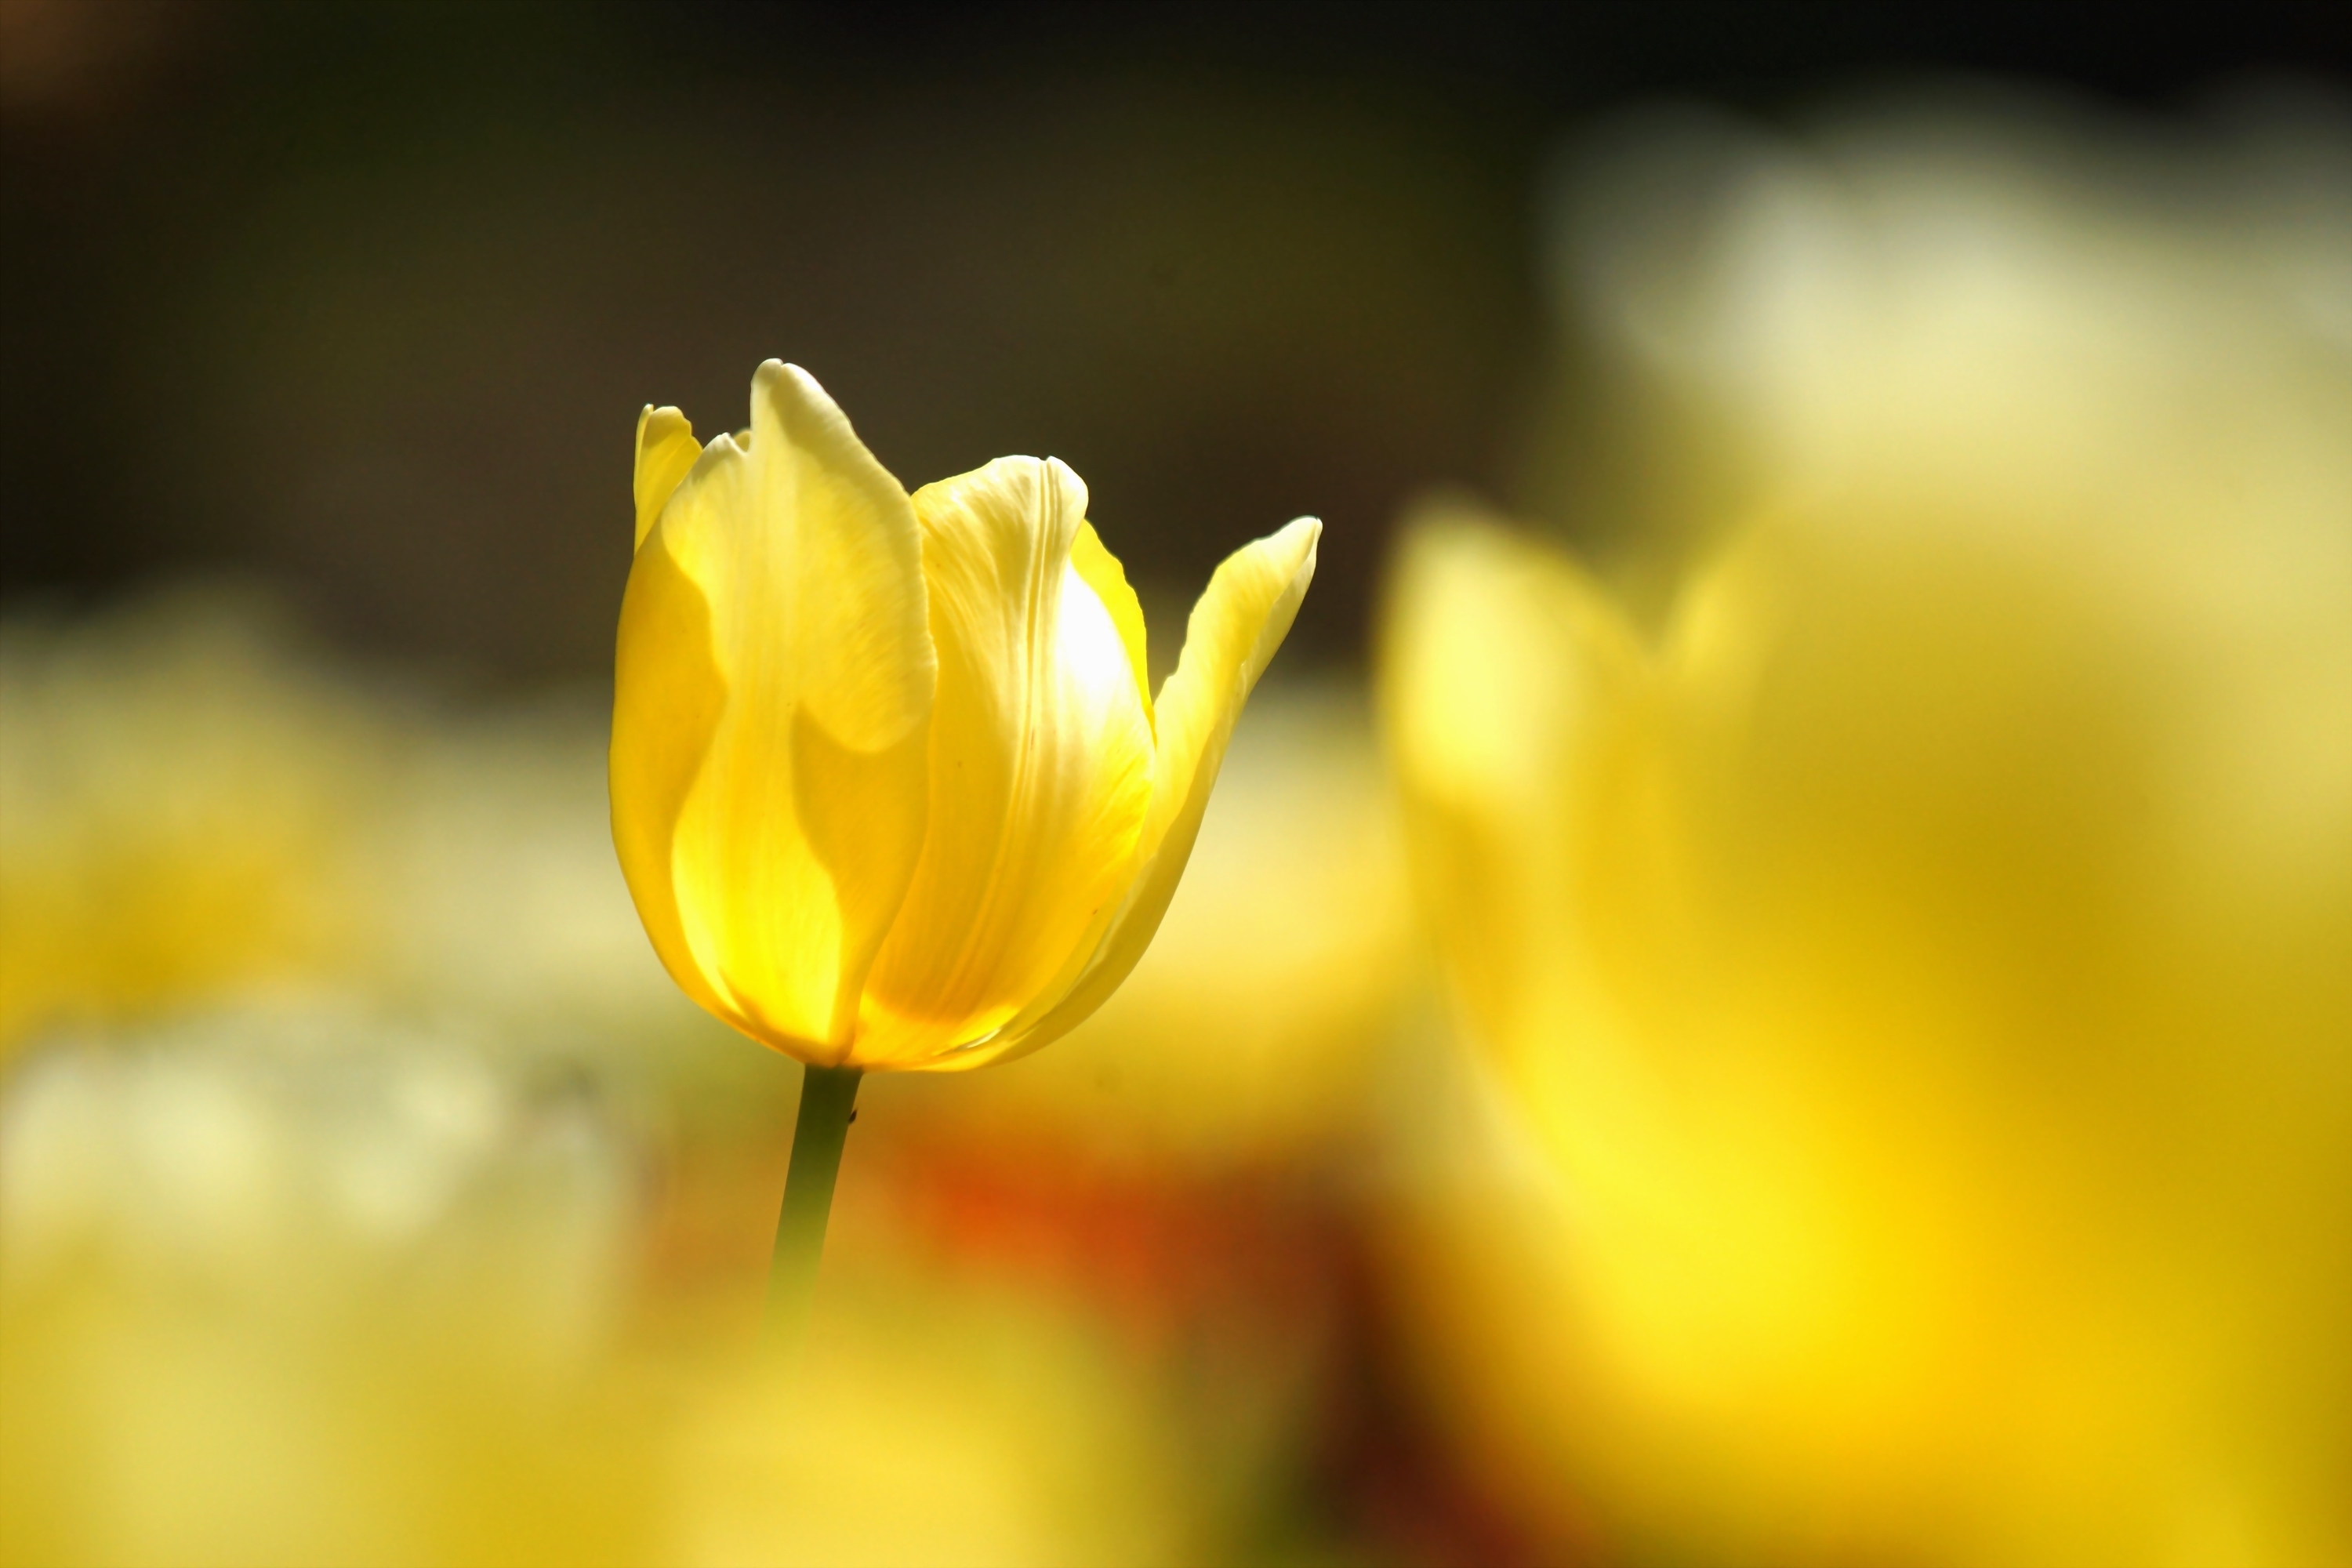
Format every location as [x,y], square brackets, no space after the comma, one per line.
[827,1098]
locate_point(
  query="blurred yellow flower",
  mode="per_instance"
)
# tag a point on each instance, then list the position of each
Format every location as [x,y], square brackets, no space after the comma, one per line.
[889,784]
[298,1284]
[1917,954]
[179,804]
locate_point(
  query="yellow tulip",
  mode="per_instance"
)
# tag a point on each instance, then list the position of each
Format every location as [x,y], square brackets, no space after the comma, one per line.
[889,786]
[1913,943]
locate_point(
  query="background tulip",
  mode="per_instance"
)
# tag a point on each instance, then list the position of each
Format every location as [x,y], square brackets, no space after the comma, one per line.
[1904,899]
[888,783]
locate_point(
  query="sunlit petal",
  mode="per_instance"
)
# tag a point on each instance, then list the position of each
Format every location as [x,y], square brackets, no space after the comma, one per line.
[1040,766]
[1234,630]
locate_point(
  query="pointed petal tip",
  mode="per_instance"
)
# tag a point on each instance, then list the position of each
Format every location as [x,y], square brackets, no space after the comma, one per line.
[803,413]
[1304,535]
[1291,550]
[1288,558]
[776,374]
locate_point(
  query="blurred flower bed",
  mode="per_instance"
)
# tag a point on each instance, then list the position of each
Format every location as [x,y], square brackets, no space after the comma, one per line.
[1812,1028]
[370,1194]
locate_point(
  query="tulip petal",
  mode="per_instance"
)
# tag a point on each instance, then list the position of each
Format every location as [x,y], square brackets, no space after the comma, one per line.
[1234,630]
[666,452]
[1040,766]
[792,848]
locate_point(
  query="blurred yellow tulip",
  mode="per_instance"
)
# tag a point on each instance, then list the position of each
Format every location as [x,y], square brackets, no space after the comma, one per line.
[181,803]
[1918,954]
[889,784]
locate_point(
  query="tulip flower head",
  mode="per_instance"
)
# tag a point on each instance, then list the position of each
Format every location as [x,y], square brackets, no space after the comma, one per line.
[889,785]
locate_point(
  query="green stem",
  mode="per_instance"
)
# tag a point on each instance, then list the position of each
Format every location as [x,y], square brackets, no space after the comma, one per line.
[827,1097]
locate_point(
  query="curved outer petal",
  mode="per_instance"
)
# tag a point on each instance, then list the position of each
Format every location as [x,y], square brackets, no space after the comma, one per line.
[774,687]
[1040,761]
[667,695]
[666,452]
[1234,630]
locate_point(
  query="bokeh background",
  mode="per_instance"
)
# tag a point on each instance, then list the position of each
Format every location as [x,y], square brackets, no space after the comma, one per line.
[368,1194]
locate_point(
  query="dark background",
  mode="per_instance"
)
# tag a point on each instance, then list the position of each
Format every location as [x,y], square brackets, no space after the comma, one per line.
[364,299]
